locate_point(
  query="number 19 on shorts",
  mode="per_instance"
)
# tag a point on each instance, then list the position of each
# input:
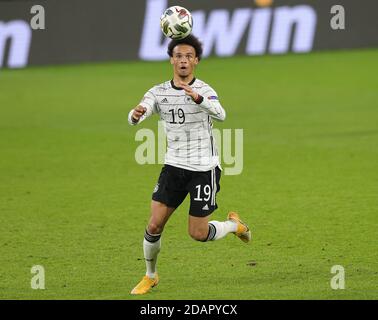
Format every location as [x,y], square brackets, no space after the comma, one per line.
[206,192]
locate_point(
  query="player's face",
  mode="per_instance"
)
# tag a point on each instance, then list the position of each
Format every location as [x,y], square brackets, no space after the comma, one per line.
[184,60]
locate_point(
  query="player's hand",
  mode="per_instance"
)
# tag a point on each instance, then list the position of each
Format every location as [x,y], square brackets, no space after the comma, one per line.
[189,91]
[138,112]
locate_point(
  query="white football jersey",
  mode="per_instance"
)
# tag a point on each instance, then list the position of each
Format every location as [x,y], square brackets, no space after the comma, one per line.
[188,125]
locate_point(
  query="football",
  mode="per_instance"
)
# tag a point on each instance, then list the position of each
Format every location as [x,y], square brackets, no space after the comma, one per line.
[176,22]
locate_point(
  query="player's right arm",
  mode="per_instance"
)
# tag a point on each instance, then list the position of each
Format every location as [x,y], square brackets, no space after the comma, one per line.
[145,109]
[136,114]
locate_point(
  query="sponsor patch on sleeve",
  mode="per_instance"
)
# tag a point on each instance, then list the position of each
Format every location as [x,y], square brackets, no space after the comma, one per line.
[212,98]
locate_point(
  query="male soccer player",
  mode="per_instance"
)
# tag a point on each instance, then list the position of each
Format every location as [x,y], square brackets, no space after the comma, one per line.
[187,106]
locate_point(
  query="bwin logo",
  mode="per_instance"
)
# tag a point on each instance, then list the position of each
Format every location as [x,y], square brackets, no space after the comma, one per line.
[19,34]
[269,30]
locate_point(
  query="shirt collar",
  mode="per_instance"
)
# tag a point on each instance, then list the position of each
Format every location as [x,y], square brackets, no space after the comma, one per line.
[177,88]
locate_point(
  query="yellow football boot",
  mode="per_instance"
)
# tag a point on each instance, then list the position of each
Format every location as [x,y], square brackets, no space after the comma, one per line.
[145,285]
[242,232]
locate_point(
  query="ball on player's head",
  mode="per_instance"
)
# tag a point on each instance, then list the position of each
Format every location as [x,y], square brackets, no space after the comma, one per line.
[176,23]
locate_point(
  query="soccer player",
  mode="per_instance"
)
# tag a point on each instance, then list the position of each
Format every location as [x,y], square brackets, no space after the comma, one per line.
[188,107]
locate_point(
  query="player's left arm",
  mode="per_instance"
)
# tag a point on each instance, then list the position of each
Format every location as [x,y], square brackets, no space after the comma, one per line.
[208,102]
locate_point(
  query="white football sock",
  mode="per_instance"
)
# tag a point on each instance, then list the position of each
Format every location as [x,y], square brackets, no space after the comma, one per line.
[151,251]
[222,229]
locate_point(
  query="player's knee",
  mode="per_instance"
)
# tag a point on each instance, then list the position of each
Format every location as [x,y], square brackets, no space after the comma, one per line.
[154,228]
[198,235]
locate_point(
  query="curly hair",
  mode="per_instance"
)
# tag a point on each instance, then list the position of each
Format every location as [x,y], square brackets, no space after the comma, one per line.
[190,40]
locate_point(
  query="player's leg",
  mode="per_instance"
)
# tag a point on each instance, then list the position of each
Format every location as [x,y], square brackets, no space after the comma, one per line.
[201,229]
[203,190]
[198,228]
[160,214]
[167,196]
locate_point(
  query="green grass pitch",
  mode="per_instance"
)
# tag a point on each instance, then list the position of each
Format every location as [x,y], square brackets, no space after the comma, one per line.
[73,199]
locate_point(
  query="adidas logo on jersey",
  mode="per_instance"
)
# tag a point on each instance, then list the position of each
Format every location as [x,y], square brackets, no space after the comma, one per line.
[206,207]
[165,100]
